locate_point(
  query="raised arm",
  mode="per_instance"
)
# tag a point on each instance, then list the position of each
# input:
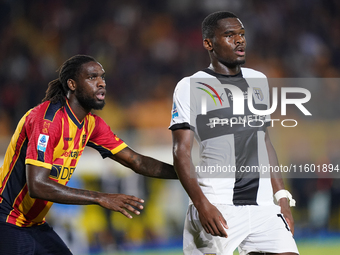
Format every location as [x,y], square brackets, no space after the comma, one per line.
[144,165]
[277,183]
[210,217]
[40,186]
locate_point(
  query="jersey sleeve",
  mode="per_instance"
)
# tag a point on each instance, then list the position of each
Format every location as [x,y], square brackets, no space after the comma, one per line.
[43,135]
[182,108]
[104,140]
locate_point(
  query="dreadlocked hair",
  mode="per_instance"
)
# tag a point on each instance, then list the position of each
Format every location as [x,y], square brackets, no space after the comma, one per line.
[57,89]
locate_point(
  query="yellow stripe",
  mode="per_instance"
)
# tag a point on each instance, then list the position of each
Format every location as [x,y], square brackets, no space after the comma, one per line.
[10,152]
[59,149]
[26,203]
[38,163]
[119,148]
[43,213]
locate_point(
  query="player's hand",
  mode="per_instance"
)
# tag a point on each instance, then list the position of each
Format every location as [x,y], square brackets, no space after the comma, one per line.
[212,220]
[285,210]
[121,202]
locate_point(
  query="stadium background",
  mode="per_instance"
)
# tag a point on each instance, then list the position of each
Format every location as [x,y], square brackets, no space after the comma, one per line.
[146,47]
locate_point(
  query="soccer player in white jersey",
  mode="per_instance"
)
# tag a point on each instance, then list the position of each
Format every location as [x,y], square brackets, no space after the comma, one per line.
[229,207]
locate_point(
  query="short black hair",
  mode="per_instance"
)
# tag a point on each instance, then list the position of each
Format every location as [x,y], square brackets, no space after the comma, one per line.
[209,24]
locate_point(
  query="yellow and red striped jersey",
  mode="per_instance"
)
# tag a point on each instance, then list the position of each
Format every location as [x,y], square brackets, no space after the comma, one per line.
[49,136]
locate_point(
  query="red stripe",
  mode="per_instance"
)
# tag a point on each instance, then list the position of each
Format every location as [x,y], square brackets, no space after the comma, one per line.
[20,197]
[86,128]
[14,214]
[73,162]
[66,131]
[77,138]
[58,161]
[35,210]
[54,180]
[15,157]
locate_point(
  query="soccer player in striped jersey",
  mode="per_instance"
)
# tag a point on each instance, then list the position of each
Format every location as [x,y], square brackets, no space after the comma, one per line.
[230,205]
[43,154]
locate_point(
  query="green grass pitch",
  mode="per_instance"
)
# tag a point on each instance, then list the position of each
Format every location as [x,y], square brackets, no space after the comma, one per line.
[305,248]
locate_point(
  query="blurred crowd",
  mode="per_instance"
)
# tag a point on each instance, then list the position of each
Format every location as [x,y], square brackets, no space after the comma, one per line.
[147,46]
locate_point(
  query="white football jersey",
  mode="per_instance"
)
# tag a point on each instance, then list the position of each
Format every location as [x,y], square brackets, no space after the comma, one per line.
[234,164]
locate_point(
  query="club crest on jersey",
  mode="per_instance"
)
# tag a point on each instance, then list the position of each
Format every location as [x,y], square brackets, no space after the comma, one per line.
[83,140]
[174,111]
[46,126]
[258,93]
[42,142]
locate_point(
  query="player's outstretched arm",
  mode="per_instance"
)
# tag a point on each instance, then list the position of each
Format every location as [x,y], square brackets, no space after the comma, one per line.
[210,217]
[42,187]
[277,183]
[144,165]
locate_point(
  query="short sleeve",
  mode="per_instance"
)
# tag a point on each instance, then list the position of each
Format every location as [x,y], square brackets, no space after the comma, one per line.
[43,135]
[182,109]
[104,140]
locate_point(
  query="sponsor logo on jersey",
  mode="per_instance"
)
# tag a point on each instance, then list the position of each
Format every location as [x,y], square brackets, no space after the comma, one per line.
[42,142]
[245,95]
[209,253]
[174,111]
[258,93]
[72,154]
[68,139]
[220,97]
[62,173]
[214,95]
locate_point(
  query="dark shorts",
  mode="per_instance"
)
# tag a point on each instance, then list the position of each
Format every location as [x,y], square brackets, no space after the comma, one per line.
[36,240]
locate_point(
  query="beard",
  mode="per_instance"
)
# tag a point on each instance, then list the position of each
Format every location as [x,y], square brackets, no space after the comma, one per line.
[88,102]
[234,63]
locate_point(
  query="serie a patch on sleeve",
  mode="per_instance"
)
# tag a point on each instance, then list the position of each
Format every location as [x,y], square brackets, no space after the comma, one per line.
[174,111]
[42,142]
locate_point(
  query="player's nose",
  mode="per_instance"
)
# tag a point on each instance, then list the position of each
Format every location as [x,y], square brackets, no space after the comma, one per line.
[101,82]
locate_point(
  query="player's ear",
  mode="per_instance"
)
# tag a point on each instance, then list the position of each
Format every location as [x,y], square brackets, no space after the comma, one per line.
[71,84]
[207,44]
